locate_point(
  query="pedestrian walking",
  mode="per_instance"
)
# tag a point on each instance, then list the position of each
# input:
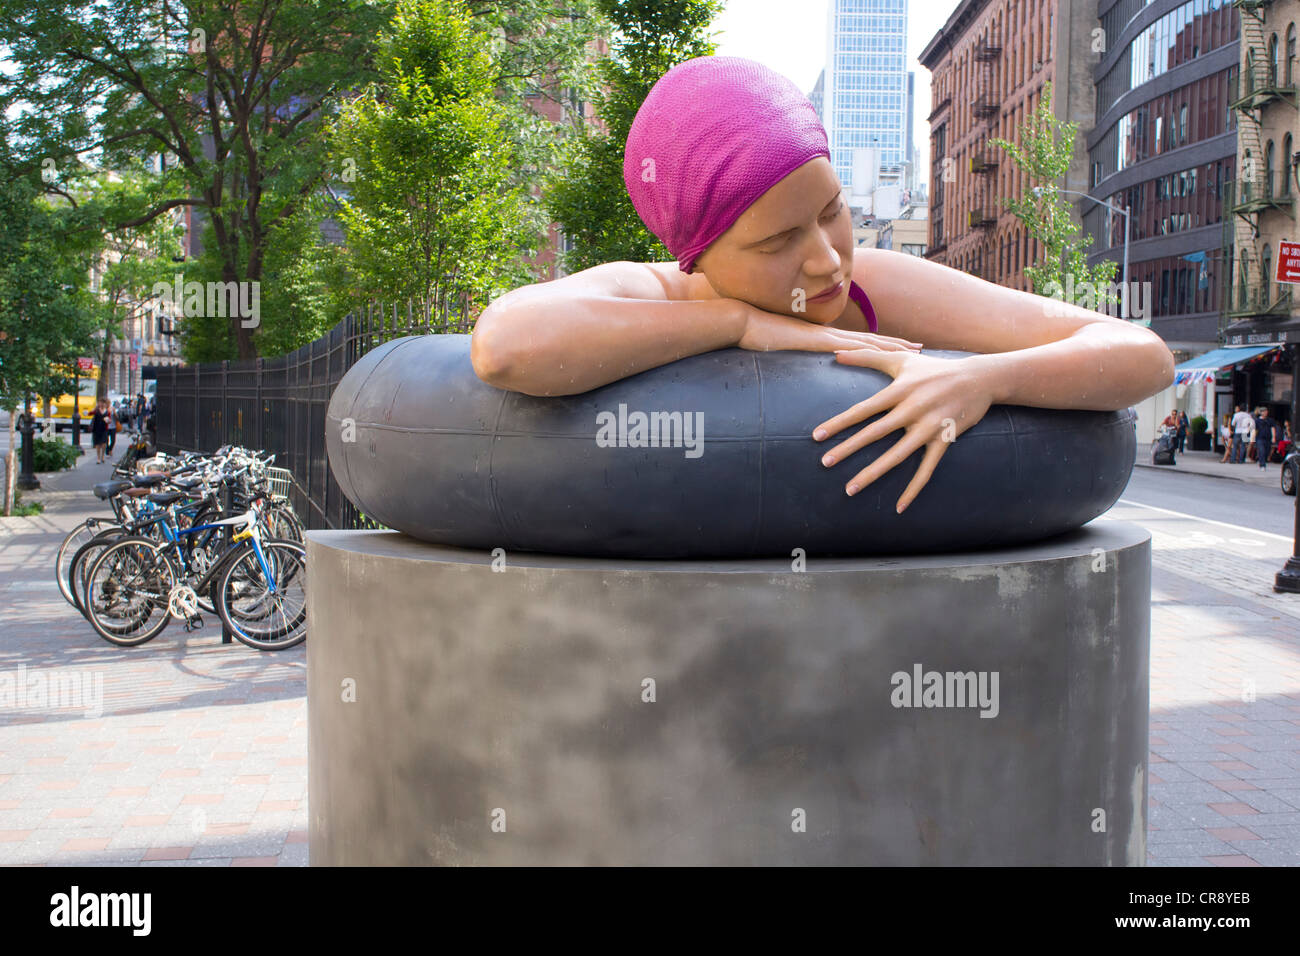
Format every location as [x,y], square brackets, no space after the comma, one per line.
[1225,436]
[1241,426]
[1182,431]
[1264,427]
[112,428]
[99,429]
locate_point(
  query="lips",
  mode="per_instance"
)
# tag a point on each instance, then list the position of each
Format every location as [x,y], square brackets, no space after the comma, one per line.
[828,294]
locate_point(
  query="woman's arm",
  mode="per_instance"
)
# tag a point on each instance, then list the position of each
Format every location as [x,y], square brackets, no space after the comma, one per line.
[593,327]
[614,320]
[1038,351]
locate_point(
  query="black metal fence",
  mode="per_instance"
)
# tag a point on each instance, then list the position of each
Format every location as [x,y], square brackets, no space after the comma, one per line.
[278,404]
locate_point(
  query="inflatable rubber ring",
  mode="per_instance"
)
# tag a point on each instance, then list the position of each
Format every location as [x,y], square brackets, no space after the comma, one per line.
[419,443]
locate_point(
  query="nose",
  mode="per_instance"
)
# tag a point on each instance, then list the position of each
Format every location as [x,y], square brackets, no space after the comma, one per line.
[823,260]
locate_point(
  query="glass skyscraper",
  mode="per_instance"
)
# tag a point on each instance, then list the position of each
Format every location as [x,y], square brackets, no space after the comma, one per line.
[865,88]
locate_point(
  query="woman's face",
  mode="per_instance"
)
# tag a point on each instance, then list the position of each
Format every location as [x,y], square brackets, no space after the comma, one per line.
[794,242]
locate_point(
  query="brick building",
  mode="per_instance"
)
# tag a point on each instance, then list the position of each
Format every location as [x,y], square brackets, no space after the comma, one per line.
[989,64]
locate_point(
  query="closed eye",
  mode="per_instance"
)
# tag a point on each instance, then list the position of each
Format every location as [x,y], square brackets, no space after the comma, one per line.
[778,243]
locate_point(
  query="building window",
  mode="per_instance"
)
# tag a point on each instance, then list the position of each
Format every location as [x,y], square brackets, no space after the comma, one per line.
[1265,275]
[1268,170]
[1286,165]
[1290,55]
[1242,275]
[1273,61]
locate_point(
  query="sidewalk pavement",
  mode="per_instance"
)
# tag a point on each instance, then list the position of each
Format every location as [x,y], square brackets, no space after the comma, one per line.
[196,754]
[199,756]
[1208,463]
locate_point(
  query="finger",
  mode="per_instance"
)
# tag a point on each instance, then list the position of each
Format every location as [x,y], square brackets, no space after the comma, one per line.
[933,453]
[908,342]
[860,412]
[891,363]
[841,345]
[872,433]
[901,451]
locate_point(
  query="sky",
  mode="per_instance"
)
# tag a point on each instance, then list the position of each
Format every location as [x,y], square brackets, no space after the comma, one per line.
[790,37]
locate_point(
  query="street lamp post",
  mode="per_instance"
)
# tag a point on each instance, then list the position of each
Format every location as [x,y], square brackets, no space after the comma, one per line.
[1038,191]
[27,479]
[1288,579]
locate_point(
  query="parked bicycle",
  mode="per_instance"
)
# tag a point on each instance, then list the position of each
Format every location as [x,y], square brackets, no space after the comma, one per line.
[191,533]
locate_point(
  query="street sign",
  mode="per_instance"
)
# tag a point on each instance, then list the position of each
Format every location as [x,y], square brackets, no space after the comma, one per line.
[85,364]
[1288,262]
[133,361]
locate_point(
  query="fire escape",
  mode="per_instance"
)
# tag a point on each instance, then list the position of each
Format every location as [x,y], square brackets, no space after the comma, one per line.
[983,158]
[1261,189]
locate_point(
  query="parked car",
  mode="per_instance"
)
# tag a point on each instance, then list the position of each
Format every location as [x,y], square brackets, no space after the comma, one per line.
[1291,471]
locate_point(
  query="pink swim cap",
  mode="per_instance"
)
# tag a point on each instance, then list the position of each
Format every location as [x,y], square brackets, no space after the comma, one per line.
[713,135]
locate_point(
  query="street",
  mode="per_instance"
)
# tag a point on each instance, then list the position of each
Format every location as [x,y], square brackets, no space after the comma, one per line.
[1216,499]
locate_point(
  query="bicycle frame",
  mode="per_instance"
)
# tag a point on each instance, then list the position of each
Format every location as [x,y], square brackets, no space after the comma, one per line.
[249,531]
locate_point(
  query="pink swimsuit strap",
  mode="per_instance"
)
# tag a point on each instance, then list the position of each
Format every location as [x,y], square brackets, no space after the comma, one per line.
[860,297]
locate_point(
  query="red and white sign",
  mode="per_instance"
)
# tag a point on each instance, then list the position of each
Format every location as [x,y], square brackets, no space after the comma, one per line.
[85,365]
[133,361]
[1288,262]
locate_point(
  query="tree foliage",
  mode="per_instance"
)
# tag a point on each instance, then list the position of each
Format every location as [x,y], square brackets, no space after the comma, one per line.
[227,96]
[46,313]
[587,195]
[1044,153]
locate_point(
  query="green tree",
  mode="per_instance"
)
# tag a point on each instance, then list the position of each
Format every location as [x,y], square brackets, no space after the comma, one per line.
[586,195]
[427,156]
[227,97]
[133,258]
[1043,154]
[46,315]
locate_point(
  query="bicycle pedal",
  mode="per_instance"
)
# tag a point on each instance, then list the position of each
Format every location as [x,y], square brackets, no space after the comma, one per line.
[193,623]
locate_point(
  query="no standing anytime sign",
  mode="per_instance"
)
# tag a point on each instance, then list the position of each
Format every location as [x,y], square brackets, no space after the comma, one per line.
[1288,262]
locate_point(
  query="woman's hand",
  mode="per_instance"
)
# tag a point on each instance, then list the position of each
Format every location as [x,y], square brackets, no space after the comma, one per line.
[767,331]
[933,400]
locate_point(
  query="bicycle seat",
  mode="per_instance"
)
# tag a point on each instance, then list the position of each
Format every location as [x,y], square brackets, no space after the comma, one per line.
[187,483]
[166,497]
[107,489]
[148,481]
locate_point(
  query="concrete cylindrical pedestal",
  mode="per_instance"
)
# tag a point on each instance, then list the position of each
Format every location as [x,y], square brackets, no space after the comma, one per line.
[978,708]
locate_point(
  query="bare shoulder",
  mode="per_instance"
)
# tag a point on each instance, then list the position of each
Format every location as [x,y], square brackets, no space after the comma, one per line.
[623,279]
[874,269]
[676,285]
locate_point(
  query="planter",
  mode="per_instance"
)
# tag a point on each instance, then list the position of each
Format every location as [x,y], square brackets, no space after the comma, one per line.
[1199,442]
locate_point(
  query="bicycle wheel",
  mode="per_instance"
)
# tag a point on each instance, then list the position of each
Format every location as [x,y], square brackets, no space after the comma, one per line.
[282,523]
[261,617]
[79,535]
[127,592]
[81,561]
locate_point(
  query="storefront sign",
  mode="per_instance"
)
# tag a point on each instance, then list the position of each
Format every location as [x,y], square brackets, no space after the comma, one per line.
[1279,337]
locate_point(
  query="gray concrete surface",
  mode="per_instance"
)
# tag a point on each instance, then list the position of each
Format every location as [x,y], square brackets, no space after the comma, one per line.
[531,709]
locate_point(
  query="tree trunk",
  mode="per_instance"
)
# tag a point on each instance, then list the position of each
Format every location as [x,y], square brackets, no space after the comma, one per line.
[243,335]
[11,460]
[101,387]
